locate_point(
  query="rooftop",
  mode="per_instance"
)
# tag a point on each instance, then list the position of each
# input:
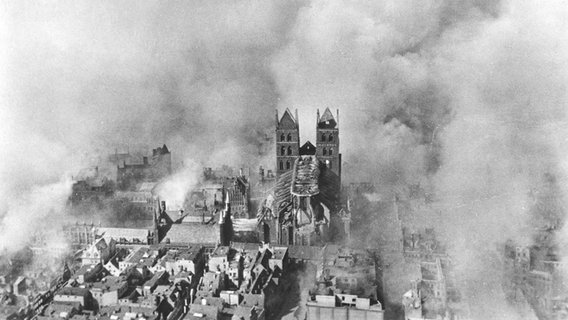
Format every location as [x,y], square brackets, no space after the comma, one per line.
[221,251]
[287,121]
[109,283]
[305,252]
[73,291]
[130,234]
[194,233]
[279,252]
[305,176]
[327,121]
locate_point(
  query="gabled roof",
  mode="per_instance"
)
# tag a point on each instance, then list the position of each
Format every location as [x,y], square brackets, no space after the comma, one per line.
[307,149]
[287,121]
[160,151]
[194,233]
[327,120]
[127,233]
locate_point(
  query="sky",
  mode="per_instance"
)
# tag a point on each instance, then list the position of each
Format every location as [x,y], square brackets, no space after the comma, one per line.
[465,98]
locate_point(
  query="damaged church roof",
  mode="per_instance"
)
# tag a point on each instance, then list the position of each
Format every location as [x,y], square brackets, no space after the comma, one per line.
[326,182]
[327,121]
[305,176]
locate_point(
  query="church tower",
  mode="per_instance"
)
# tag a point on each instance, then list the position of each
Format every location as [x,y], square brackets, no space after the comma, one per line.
[327,141]
[287,141]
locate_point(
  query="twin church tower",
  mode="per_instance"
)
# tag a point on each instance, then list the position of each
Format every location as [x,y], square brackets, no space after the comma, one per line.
[288,147]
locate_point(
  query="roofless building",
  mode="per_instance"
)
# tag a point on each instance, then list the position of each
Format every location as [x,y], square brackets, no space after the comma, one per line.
[308,181]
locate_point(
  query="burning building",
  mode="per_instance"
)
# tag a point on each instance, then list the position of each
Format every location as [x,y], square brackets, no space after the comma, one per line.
[131,171]
[306,191]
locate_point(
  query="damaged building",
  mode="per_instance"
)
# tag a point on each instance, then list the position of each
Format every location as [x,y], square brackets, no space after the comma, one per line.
[305,196]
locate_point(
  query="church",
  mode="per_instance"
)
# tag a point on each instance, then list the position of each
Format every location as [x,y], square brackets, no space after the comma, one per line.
[306,196]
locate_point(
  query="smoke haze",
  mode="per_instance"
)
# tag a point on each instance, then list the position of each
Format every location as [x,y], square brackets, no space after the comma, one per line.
[465,98]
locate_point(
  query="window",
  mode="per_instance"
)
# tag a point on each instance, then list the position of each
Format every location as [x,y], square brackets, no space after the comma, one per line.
[287,165]
[282,137]
[323,137]
[282,150]
[281,165]
[324,151]
[289,137]
[330,151]
[289,151]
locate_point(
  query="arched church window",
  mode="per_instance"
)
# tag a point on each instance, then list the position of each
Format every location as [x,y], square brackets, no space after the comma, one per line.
[282,137]
[281,165]
[282,150]
[330,151]
[287,165]
[325,151]
[289,137]
[323,137]
[289,151]
[330,137]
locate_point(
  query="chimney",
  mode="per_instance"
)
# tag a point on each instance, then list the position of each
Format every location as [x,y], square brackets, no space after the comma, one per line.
[163,206]
[337,119]
[318,117]
[297,119]
[277,117]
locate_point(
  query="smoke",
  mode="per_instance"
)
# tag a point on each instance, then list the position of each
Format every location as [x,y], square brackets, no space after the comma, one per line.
[174,189]
[81,79]
[38,209]
[465,98]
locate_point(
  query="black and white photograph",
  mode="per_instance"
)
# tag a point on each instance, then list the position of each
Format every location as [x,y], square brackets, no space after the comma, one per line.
[283,160]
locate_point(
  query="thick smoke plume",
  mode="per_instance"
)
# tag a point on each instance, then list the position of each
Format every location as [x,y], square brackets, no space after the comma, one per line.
[82,79]
[465,98]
